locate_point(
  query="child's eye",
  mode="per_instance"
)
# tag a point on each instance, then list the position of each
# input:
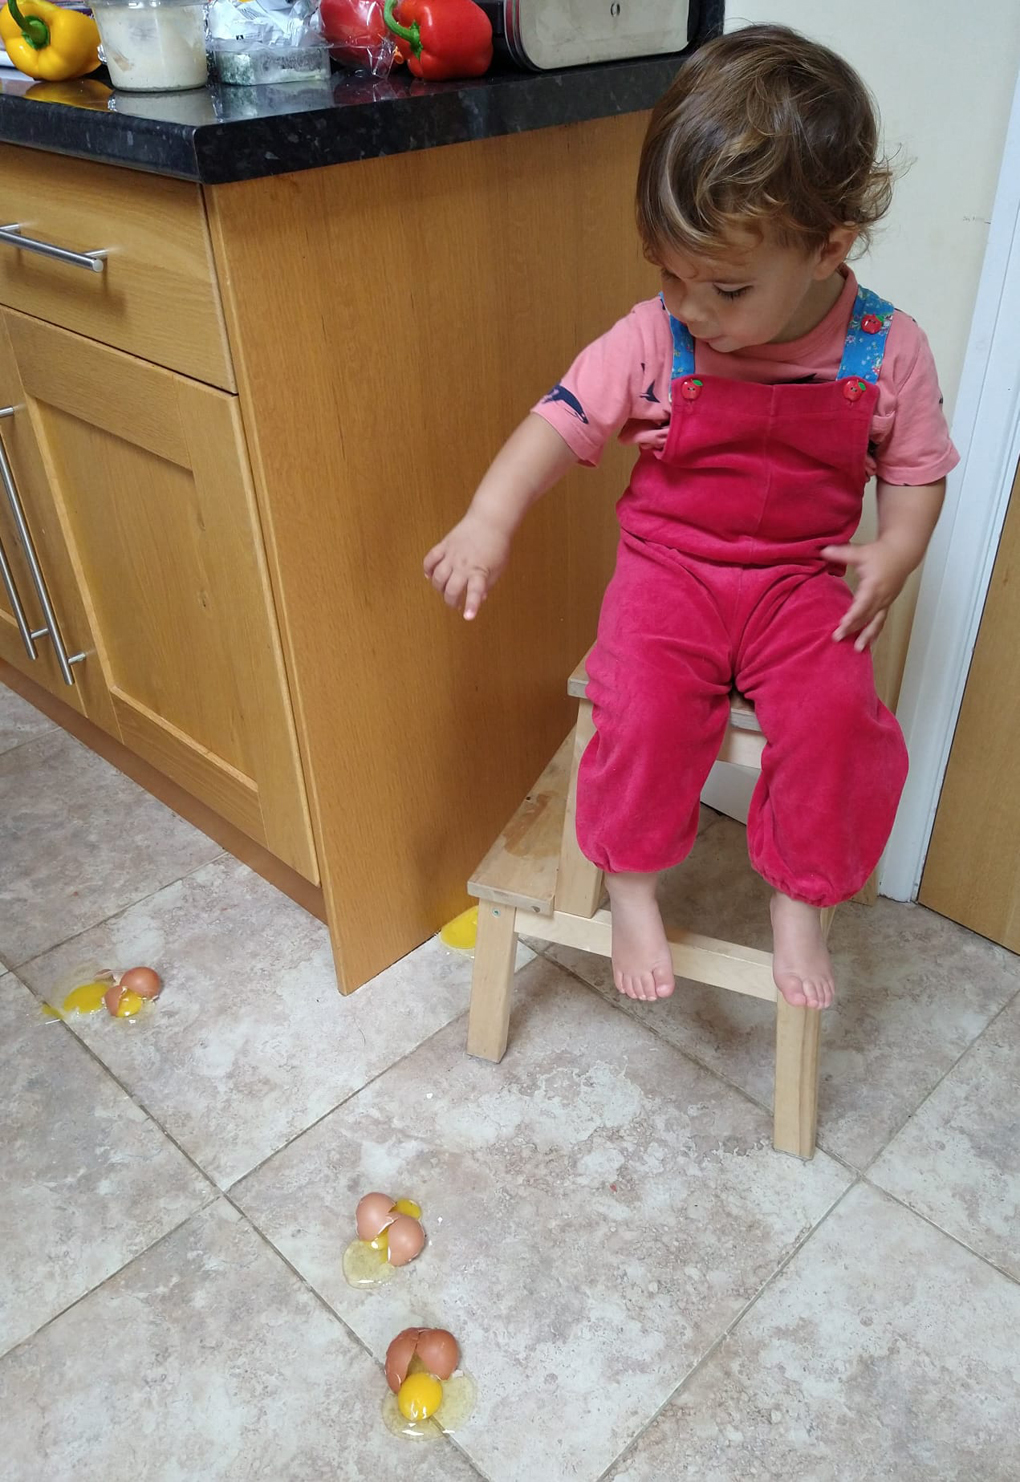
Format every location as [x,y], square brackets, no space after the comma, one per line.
[731,292]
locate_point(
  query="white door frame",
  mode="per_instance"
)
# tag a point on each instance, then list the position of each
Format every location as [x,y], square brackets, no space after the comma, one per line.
[958,568]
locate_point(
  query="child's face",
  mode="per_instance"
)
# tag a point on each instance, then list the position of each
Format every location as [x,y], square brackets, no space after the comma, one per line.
[753,292]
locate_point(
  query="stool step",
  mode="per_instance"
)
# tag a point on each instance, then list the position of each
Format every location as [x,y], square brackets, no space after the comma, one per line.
[521,867]
[700,959]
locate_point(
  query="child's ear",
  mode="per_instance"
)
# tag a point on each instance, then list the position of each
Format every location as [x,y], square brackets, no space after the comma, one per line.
[836,250]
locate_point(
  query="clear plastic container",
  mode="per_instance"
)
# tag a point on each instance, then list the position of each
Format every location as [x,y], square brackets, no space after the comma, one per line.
[153,46]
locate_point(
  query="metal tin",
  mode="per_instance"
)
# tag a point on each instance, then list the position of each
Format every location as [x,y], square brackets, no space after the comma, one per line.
[548,34]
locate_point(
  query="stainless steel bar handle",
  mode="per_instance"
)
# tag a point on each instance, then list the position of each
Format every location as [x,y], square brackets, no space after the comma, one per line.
[7,577]
[94,262]
[35,571]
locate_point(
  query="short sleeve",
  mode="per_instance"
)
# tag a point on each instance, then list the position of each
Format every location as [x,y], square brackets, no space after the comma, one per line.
[621,378]
[914,446]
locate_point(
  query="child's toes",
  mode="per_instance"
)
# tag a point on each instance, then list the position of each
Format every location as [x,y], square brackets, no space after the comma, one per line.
[664,982]
[792,989]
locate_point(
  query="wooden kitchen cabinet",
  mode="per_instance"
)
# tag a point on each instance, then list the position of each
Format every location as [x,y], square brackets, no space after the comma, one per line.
[137,482]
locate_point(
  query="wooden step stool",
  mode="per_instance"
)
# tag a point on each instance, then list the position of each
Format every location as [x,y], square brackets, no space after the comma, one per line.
[535,881]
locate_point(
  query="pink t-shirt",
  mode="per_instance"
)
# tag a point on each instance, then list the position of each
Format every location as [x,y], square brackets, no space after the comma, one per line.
[620,386]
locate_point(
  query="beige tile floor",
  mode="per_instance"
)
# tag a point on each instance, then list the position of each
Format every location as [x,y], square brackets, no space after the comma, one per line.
[643,1290]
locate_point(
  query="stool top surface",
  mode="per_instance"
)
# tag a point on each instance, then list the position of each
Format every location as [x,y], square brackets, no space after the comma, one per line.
[741,710]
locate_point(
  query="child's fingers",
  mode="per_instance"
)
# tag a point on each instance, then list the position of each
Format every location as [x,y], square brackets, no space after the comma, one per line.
[475,595]
[433,558]
[455,589]
[441,574]
[842,555]
[868,635]
[856,615]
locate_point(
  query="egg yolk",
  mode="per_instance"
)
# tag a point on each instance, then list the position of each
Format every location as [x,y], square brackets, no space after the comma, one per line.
[408,1207]
[462,932]
[129,1004]
[87,999]
[419,1396]
[381,1241]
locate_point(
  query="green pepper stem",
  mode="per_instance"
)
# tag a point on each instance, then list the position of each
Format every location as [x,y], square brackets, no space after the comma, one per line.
[411,34]
[34,29]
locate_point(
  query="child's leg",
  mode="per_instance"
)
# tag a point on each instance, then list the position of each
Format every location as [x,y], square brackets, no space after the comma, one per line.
[832,771]
[659,681]
[642,967]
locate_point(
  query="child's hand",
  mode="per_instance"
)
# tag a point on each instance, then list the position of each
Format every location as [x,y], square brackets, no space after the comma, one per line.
[881,570]
[465,565]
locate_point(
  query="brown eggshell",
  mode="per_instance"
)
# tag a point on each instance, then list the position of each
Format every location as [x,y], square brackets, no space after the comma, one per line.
[112,998]
[438,1351]
[373,1214]
[406,1238]
[399,1355]
[144,981]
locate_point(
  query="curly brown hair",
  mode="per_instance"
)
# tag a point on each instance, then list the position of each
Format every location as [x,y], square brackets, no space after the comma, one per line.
[762,131]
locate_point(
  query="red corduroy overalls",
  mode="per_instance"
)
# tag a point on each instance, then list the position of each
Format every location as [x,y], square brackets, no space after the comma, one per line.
[719,582]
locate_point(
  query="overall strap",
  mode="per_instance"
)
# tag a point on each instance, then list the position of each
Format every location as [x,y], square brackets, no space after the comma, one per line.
[683,347]
[868,331]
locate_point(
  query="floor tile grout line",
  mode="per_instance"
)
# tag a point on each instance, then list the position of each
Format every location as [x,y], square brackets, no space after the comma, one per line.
[343,1101]
[153,1245]
[920,1214]
[862,1169]
[120,911]
[31,740]
[685,1054]
[717,1343]
[142,1107]
[323,1302]
[866,1169]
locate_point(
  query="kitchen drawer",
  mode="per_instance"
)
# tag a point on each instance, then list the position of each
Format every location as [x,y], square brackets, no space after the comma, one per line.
[157,296]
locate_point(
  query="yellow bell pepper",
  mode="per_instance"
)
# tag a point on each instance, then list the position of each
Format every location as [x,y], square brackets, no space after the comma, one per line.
[48,42]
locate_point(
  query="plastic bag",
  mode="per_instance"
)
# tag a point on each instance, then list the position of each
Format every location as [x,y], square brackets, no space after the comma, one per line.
[358,36]
[264,22]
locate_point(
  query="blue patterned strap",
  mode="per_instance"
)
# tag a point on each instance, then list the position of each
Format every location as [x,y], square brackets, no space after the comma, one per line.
[683,347]
[868,331]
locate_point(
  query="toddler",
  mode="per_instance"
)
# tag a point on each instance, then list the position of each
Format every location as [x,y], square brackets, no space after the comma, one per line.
[762,388]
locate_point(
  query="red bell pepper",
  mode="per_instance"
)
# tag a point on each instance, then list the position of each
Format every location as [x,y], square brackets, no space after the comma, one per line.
[442,38]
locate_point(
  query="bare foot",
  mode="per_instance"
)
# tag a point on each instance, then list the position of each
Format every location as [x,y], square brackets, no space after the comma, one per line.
[642,967]
[801,964]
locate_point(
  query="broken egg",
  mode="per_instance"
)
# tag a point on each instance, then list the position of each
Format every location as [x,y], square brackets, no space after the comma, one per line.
[438,1351]
[399,1355]
[389,1235]
[405,1239]
[144,981]
[428,1395]
[373,1214]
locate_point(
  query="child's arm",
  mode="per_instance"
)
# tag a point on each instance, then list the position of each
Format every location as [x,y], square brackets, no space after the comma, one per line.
[470,559]
[907,516]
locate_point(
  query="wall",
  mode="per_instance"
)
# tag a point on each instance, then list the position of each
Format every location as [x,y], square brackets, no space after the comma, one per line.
[943,74]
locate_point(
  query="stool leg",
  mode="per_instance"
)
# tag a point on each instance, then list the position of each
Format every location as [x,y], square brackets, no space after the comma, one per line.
[579,882]
[795,1108]
[491,982]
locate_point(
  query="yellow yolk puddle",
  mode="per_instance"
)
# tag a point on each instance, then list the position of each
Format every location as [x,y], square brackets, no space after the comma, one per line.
[88,999]
[367,1262]
[461,933]
[458,1401]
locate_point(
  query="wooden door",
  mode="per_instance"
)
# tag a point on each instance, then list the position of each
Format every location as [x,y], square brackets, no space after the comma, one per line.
[148,474]
[28,521]
[972,872]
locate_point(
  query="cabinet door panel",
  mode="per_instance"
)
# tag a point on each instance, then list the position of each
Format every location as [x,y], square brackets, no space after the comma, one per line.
[149,472]
[87,694]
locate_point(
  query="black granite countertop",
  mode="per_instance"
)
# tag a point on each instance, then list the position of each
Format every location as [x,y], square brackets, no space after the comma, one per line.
[220,134]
